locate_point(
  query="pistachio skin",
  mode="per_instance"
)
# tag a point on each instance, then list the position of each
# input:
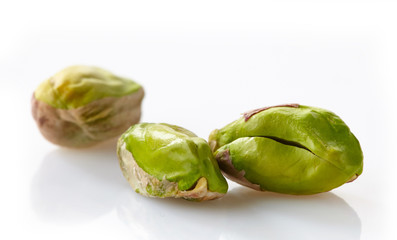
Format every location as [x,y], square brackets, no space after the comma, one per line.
[163,160]
[79,85]
[291,149]
[82,105]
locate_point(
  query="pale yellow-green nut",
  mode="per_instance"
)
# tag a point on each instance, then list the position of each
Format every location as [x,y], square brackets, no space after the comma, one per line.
[163,160]
[84,105]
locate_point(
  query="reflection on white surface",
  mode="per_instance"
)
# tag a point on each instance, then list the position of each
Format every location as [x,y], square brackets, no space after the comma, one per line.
[241,214]
[79,185]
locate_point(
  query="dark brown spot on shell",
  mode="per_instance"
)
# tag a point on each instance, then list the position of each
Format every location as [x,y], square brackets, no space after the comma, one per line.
[42,121]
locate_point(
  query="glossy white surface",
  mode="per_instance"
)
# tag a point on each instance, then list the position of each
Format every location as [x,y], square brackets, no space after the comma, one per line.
[202,64]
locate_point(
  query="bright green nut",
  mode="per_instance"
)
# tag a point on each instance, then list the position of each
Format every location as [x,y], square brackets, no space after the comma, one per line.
[291,149]
[83,105]
[162,160]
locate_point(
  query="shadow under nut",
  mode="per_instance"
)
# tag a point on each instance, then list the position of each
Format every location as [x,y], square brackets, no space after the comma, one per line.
[85,126]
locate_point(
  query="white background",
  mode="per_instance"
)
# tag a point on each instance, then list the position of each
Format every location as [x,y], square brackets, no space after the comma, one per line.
[202,63]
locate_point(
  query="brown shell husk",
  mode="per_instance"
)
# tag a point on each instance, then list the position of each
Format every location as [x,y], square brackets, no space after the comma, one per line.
[88,125]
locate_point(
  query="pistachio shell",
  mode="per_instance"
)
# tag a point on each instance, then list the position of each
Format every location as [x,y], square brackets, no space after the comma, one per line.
[83,113]
[162,160]
[288,149]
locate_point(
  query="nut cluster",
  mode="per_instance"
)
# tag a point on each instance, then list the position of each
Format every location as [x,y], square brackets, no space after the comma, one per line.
[291,149]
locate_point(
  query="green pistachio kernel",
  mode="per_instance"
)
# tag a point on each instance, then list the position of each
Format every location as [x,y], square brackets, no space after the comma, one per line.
[83,105]
[163,160]
[77,86]
[291,149]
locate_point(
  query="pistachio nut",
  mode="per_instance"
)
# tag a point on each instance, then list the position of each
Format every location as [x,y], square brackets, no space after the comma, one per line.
[291,149]
[163,160]
[83,105]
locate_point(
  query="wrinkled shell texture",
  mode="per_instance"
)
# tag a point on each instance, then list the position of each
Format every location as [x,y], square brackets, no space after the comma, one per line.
[84,105]
[291,149]
[162,160]
[84,126]
[149,186]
